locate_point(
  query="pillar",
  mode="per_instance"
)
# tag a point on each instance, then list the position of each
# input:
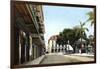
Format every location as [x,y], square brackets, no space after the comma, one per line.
[57,48]
[32,51]
[27,52]
[16,46]
[22,49]
[27,46]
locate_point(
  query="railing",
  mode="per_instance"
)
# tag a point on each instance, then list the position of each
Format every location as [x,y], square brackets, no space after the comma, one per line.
[33,16]
[39,37]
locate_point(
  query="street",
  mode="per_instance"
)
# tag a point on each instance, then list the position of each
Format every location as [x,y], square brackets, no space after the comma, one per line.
[60,58]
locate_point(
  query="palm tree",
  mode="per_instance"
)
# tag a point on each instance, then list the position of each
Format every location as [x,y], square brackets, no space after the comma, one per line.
[79,31]
[82,31]
[91,17]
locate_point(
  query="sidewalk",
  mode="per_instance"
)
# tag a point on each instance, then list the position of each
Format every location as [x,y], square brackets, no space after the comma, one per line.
[83,55]
[36,61]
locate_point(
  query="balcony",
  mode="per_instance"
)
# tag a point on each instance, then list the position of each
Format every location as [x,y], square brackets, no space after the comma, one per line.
[27,15]
[38,39]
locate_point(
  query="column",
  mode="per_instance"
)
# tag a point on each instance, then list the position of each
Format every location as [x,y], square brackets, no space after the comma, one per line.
[37,51]
[22,48]
[60,48]
[27,46]
[32,51]
[52,46]
[16,46]
[57,47]
[64,49]
[40,51]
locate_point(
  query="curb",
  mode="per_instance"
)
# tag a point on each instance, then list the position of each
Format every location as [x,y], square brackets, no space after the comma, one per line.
[36,61]
[90,56]
[42,59]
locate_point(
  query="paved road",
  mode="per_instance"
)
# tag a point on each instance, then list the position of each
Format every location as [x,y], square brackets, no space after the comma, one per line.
[58,58]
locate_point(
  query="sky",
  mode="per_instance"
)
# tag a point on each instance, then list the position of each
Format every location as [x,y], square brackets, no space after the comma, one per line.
[56,18]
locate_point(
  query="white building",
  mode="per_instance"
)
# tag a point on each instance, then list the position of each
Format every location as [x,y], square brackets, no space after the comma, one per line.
[53,47]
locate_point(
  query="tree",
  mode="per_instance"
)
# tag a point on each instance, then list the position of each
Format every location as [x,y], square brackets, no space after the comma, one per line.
[83,29]
[67,34]
[72,35]
[80,31]
[91,17]
[59,40]
[91,39]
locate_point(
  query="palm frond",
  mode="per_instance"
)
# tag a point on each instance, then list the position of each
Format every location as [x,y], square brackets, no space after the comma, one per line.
[91,17]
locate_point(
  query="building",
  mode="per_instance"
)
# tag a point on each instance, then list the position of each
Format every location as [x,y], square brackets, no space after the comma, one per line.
[52,43]
[54,47]
[27,32]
